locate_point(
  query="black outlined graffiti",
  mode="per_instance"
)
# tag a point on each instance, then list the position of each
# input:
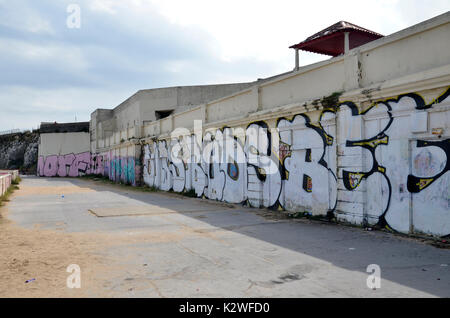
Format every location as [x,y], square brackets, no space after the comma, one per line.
[227,167]
[166,171]
[311,180]
[352,179]
[307,183]
[263,167]
[97,164]
[417,184]
[177,166]
[420,102]
[378,175]
[212,159]
[328,141]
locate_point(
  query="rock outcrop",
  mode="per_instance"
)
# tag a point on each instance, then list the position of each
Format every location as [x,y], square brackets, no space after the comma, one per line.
[19,151]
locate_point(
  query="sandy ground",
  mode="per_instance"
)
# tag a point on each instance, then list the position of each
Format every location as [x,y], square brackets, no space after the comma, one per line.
[44,255]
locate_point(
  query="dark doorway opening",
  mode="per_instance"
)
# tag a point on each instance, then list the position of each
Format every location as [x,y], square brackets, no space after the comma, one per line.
[160,114]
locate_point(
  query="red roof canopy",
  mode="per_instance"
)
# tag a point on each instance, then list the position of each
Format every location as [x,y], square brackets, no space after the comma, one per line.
[330,41]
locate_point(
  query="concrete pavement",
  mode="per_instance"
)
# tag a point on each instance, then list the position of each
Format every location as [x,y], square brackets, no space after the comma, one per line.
[184,247]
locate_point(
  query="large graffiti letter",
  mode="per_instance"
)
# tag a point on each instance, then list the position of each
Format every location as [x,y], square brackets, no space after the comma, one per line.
[423,162]
[307,177]
[51,166]
[264,178]
[234,164]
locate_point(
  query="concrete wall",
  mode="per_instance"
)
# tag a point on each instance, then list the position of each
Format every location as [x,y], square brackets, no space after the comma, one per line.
[363,138]
[14,173]
[140,108]
[5,183]
[377,155]
[6,179]
[121,164]
[376,165]
[64,154]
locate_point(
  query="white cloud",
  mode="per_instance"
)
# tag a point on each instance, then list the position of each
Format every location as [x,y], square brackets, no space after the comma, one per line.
[107,6]
[69,57]
[25,107]
[49,72]
[264,29]
[24,18]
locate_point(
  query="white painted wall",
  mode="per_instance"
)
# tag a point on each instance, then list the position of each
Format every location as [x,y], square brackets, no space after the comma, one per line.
[377,156]
[362,165]
[64,154]
[6,179]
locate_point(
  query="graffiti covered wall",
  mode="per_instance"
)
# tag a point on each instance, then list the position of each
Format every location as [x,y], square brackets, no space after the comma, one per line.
[67,155]
[63,154]
[119,165]
[69,165]
[374,164]
[362,138]
[382,163]
[118,169]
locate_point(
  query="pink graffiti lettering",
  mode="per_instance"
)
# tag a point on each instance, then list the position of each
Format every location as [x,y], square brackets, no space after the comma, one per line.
[57,165]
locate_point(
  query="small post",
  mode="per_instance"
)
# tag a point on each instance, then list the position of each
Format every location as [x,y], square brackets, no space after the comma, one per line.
[296,60]
[346,42]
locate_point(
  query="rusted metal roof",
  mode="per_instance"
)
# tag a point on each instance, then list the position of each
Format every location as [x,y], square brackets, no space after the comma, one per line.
[330,41]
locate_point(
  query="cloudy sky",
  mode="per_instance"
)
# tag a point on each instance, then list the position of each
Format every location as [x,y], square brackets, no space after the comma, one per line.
[49,72]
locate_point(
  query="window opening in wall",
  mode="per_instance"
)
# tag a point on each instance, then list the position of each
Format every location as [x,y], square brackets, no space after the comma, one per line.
[160,114]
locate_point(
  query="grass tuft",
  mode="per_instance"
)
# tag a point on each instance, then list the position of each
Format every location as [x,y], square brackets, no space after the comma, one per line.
[11,189]
[191,193]
[16,180]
